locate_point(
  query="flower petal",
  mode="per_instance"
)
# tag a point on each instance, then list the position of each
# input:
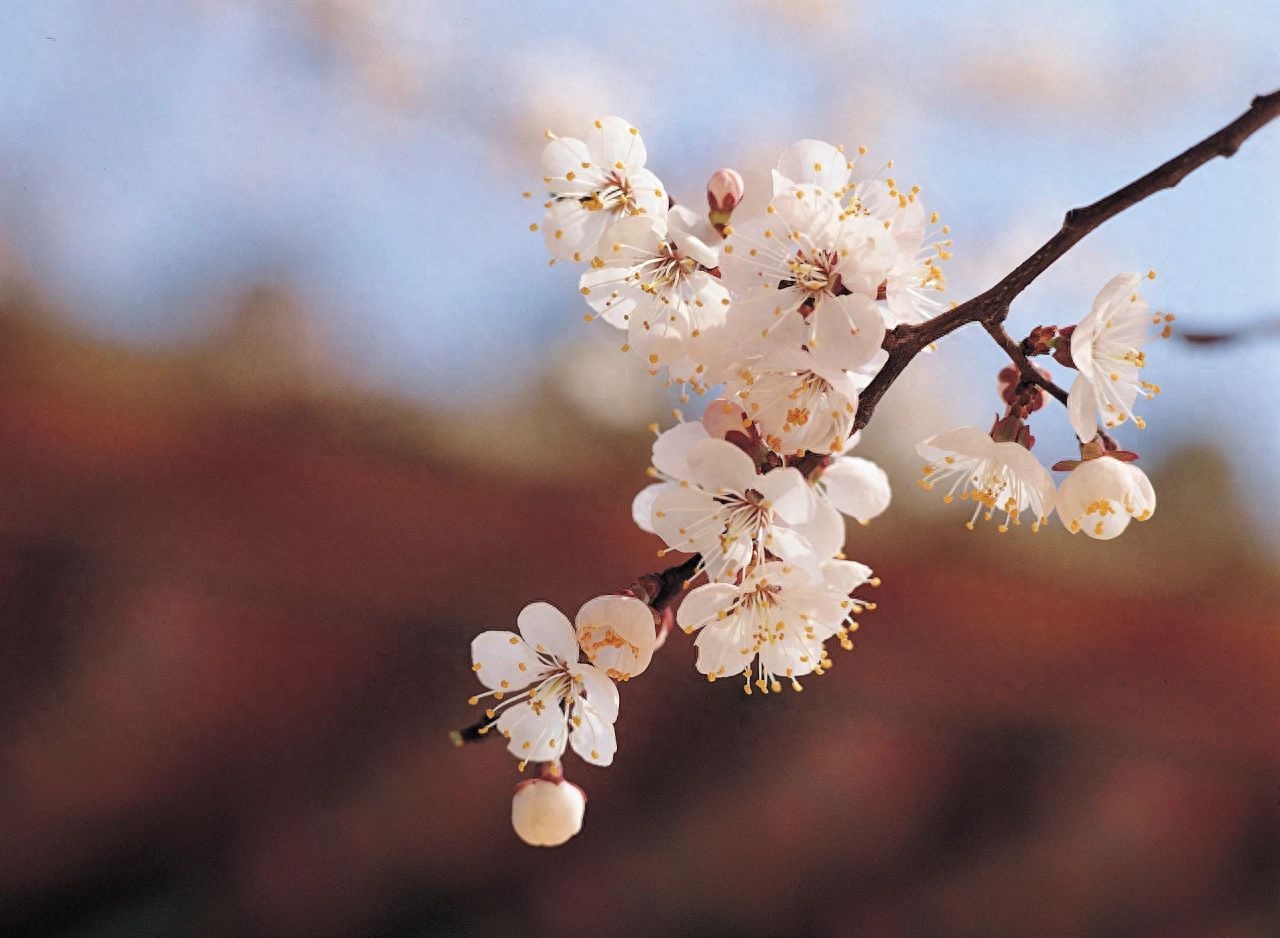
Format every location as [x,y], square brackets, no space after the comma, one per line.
[504,661]
[642,505]
[601,693]
[703,605]
[549,631]
[569,229]
[788,494]
[612,141]
[719,467]
[813,162]
[1082,408]
[593,738]
[848,330]
[857,487]
[671,448]
[538,733]
[824,531]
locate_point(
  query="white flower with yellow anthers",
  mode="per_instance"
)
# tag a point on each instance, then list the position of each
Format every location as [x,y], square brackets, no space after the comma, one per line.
[555,700]
[593,183]
[813,163]
[650,278]
[547,811]
[1102,495]
[772,625]
[1107,348]
[730,514]
[798,403]
[997,477]
[807,275]
[913,287]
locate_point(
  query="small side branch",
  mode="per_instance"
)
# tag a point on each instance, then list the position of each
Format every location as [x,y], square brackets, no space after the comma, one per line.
[1030,373]
[992,307]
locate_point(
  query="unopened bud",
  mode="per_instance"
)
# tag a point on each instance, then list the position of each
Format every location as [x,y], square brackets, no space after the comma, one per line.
[724,193]
[546,812]
[1041,341]
[1022,397]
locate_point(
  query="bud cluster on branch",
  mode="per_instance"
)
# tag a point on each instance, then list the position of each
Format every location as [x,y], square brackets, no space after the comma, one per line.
[802,318]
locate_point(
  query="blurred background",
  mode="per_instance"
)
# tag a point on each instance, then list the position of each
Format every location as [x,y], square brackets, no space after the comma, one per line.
[291,407]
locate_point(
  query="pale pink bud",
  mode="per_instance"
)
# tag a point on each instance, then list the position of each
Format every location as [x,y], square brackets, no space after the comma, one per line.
[724,192]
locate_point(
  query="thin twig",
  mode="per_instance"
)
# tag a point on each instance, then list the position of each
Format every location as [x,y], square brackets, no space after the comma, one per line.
[904,342]
[1030,373]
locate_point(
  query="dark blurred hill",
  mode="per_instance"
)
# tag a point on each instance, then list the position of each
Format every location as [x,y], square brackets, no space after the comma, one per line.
[237,596]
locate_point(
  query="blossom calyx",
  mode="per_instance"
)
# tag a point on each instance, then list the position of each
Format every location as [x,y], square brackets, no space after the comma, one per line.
[547,811]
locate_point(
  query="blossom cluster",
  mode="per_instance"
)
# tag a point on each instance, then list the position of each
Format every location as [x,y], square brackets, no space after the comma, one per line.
[787,313]
[1105,490]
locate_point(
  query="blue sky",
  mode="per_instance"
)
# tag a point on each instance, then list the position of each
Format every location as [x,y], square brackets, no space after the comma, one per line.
[154,153]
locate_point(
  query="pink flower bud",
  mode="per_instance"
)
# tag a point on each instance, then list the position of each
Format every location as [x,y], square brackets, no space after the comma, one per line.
[724,192]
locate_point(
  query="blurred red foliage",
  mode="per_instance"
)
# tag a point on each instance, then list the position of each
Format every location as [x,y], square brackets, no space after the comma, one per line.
[236,629]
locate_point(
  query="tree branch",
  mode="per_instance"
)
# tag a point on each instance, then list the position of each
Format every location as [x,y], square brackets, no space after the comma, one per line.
[1030,373]
[991,308]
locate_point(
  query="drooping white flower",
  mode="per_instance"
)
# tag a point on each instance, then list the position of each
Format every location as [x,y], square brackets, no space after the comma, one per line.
[731,514]
[774,623]
[915,282]
[1102,495]
[650,278]
[617,634]
[593,183]
[1106,347]
[546,812]
[798,402]
[997,477]
[555,699]
[807,275]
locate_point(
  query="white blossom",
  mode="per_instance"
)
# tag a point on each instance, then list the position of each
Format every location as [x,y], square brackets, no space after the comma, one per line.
[731,514]
[595,182]
[997,477]
[915,281]
[650,279]
[1106,347]
[798,402]
[774,623]
[546,812]
[555,699]
[807,275]
[1101,495]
